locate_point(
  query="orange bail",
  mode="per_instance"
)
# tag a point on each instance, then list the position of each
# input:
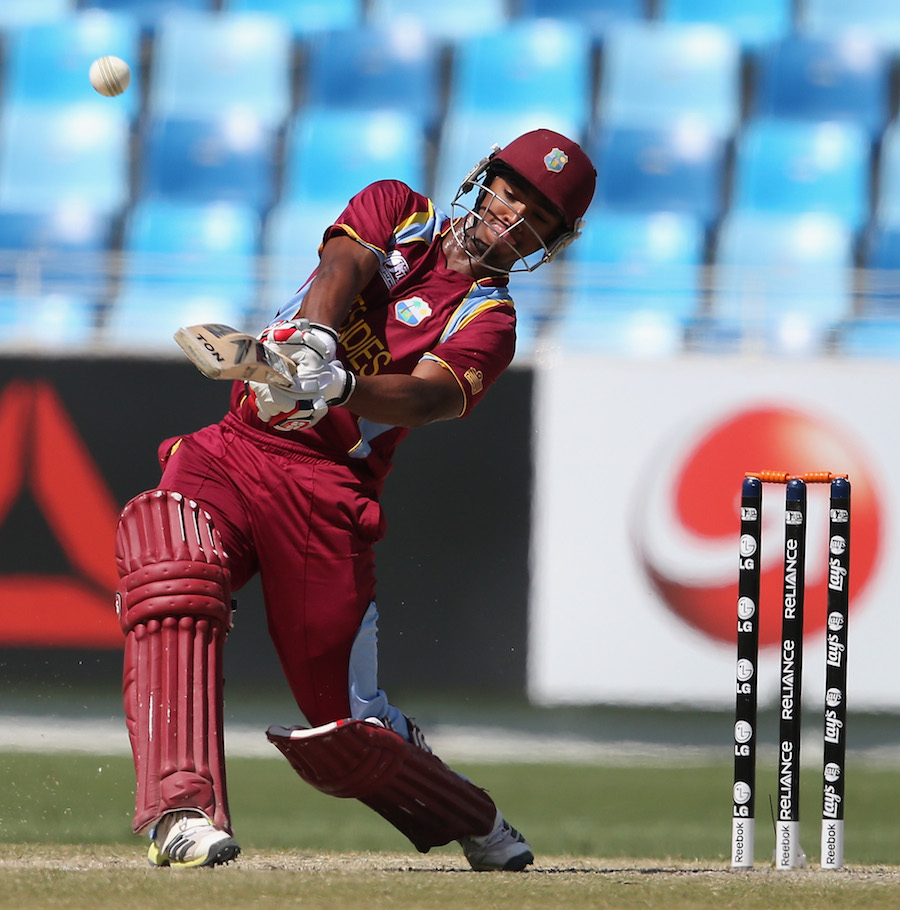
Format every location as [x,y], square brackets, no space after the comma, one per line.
[784,476]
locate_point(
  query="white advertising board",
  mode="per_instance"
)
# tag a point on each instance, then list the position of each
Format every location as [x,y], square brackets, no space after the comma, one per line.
[636,524]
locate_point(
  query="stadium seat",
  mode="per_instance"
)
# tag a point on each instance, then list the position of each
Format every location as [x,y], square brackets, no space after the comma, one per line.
[305,17]
[595,16]
[887,206]
[871,338]
[166,242]
[548,75]
[362,68]
[231,62]
[536,297]
[291,238]
[330,155]
[16,13]
[657,74]
[62,250]
[142,321]
[795,166]
[680,169]
[754,24]
[33,322]
[231,158]
[783,281]
[632,283]
[183,264]
[834,18]
[467,138]
[442,21]
[148,12]
[880,283]
[65,154]
[840,78]
[49,63]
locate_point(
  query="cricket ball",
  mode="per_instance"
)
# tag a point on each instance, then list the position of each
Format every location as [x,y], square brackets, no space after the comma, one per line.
[110,75]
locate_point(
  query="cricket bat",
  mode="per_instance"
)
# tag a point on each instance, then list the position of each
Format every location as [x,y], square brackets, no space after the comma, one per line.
[221,352]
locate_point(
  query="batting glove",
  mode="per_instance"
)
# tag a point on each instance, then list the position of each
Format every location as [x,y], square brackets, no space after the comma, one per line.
[310,345]
[308,401]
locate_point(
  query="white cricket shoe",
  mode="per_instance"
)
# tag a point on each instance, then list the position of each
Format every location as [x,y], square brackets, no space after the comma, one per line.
[503,850]
[188,839]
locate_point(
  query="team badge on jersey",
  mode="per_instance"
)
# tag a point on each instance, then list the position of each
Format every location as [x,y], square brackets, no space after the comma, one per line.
[412,311]
[475,378]
[555,160]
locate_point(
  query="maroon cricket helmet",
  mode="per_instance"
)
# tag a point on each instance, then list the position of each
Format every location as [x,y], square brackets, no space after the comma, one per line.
[557,167]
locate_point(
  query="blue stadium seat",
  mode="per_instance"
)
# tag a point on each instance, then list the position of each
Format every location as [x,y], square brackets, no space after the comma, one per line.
[66,154]
[443,21]
[231,158]
[49,63]
[142,320]
[548,75]
[214,63]
[184,264]
[467,138]
[633,283]
[657,74]
[536,296]
[887,206]
[148,12]
[840,78]
[834,18]
[595,16]
[681,169]
[754,24]
[362,69]
[291,238]
[16,13]
[783,281]
[795,166]
[870,338]
[62,250]
[880,291]
[305,17]
[35,322]
[330,155]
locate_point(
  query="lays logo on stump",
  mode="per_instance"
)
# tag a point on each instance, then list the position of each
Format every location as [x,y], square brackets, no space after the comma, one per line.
[686,529]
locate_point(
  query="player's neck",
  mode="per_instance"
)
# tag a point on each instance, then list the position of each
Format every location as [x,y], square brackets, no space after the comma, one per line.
[459,260]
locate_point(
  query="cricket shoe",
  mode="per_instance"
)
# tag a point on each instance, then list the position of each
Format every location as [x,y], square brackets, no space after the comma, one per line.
[184,840]
[502,850]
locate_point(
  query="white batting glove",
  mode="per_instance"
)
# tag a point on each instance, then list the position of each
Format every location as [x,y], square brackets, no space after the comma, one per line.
[336,383]
[289,409]
[307,402]
[310,345]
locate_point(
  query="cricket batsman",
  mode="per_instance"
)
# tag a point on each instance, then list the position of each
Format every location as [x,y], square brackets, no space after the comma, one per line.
[406,320]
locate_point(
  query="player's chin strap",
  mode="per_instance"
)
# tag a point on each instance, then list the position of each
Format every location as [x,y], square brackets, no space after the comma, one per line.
[406,785]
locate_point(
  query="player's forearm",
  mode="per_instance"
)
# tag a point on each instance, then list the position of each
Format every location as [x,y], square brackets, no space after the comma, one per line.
[403,401]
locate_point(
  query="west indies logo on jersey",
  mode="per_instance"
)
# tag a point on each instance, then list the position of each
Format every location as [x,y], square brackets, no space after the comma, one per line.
[555,160]
[412,310]
[687,523]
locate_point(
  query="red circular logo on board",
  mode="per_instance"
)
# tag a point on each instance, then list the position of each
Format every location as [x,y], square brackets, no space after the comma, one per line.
[687,526]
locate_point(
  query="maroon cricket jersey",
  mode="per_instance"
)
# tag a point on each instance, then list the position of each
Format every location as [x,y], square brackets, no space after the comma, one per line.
[414,308]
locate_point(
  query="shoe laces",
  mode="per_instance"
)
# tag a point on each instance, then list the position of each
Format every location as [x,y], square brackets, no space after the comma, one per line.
[498,835]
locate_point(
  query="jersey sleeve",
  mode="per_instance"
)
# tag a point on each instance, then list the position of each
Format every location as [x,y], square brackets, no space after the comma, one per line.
[375,214]
[478,352]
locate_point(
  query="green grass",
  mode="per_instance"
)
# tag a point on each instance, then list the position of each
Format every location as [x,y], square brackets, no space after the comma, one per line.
[674,813]
[605,837]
